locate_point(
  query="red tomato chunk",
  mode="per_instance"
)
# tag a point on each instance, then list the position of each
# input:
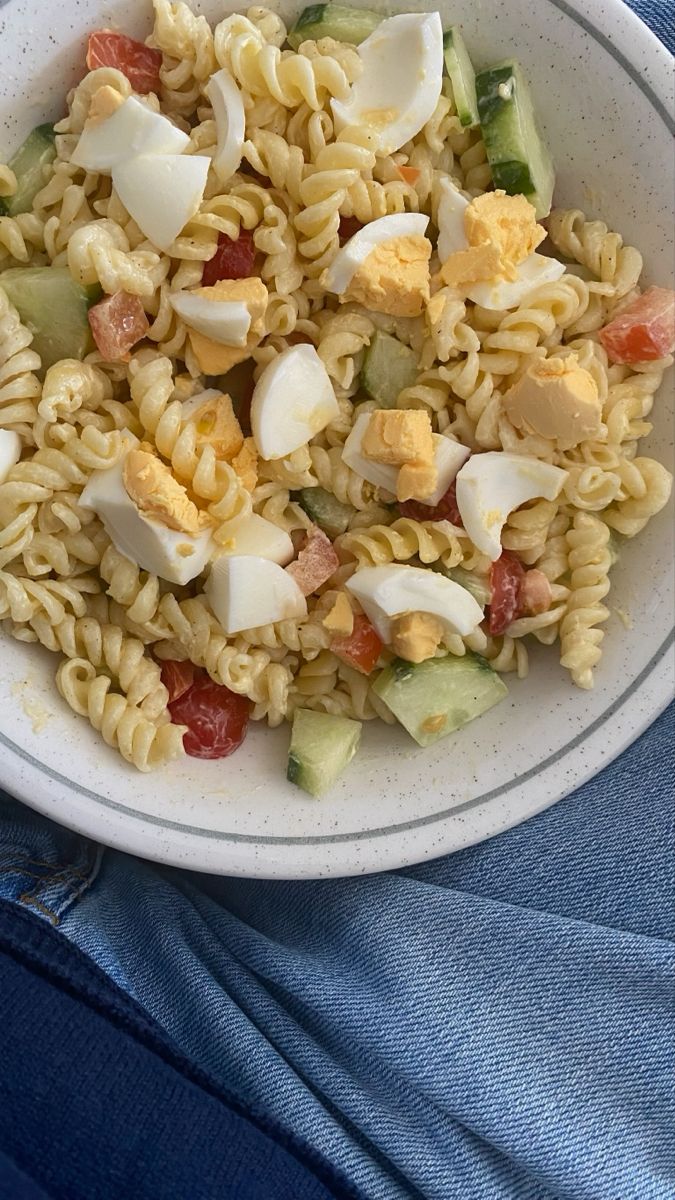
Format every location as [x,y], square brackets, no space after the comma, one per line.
[216,719]
[445,510]
[362,648]
[178,677]
[644,330]
[117,323]
[506,576]
[316,562]
[139,63]
[232,259]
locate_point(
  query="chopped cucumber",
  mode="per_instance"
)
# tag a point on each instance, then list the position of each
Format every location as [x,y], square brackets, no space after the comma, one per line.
[517,153]
[321,746]
[462,76]
[388,368]
[479,587]
[54,308]
[335,21]
[433,698]
[329,513]
[28,165]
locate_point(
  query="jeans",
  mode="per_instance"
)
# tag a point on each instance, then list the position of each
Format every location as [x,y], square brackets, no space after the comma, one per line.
[498,1023]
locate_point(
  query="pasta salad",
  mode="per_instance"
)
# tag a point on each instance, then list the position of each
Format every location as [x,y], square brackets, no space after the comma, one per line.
[313,407]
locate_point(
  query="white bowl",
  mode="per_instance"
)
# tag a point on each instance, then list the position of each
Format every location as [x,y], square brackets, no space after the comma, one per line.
[603,90]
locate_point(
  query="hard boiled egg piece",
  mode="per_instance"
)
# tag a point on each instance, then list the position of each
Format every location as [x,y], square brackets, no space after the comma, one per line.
[531,274]
[255,535]
[389,591]
[246,591]
[224,321]
[338,276]
[293,401]
[401,81]
[169,553]
[10,452]
[381,475]
[131,130]
[451,232]
[161,192]
[230,118]
[492,485]
[449,456]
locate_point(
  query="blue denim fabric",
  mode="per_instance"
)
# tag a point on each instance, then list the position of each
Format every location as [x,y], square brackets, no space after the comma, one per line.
[497,1024]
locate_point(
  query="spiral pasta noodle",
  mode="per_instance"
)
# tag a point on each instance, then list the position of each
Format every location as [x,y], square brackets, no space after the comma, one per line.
[122,725]
[589,564]
[302,187]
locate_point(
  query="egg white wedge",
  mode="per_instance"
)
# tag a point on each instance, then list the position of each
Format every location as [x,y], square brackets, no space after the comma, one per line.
[401,81]
[449,456]
[255,535]
[338,276]
[168,553]
[532,273]
[10,452]
[292,401]
[132,130]
[230,118]
[246,591]
[381,475]
[193,405]
[161,192]
[492,485]
[394,589]
[451,232]
[225,321]
[498,294]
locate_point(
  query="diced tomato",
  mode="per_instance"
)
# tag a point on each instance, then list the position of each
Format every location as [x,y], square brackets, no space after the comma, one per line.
[361,648]
[139,63]
[506,576]
[217,719]
[232,259]
[445,510]
[409,174]
[644,330]
[117,323]
[348,227]
[316,561]
[178,677]
[535,594]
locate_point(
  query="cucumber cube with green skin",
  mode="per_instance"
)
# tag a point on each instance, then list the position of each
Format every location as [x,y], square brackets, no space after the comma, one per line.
[54,308]
[462,76]
[517,154]
[337,21]
[434,698]
[477,585]
[388,368]
[321,746]
[28,165]
[326,511]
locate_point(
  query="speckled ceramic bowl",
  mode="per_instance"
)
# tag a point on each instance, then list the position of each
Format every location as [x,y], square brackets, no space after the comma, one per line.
[603,89]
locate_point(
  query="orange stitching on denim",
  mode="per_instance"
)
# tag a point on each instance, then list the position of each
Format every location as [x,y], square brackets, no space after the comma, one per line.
[44,880]
[27,898]
[35,862]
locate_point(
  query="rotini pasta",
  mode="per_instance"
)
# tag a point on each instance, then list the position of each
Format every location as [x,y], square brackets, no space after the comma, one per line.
[168,422]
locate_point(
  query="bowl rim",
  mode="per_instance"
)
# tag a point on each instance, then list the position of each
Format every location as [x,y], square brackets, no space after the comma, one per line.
[128,829]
